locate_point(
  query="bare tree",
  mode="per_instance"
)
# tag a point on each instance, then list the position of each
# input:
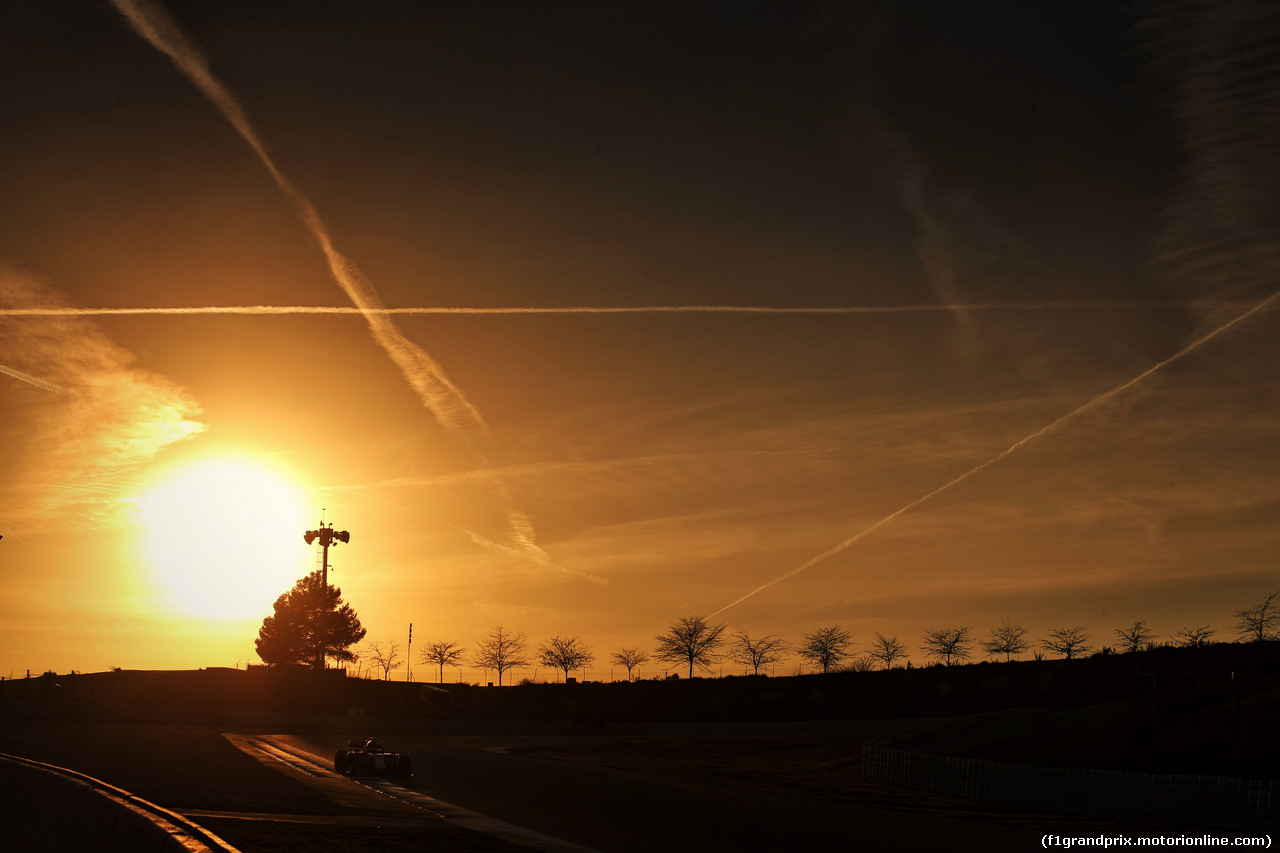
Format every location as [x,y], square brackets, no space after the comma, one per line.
[1194,638]
[442,654]
[947,644]
[690,639]
[386,656]
[767,650]
[1069,642]
[1134,638]
[1259,622]
[630,658]
[826,647]
[1006,639]
[565,653]
[887,650]
[501,650]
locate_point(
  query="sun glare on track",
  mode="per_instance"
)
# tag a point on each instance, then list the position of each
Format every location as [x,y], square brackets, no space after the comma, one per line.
[222,539]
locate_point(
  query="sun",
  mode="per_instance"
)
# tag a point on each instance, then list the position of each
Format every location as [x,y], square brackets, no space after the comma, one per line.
[222,538]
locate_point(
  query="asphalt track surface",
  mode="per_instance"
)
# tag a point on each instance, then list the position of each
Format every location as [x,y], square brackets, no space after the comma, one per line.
[620,811]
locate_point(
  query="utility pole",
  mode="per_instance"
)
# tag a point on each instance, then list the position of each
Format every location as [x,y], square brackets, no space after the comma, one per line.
[408,657]
[327,536]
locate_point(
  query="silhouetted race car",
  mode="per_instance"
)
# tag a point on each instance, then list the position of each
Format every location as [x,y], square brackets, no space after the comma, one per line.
[368,758]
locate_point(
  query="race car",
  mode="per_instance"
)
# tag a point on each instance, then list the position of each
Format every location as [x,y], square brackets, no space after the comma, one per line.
[367,757]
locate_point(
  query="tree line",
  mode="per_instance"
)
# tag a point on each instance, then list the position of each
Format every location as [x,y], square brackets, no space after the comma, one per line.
[311,617]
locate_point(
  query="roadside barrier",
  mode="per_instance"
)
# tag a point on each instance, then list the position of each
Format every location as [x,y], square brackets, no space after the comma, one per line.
[917,759]
[48,808]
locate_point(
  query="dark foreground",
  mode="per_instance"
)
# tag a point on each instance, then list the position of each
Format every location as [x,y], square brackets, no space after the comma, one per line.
[197,769]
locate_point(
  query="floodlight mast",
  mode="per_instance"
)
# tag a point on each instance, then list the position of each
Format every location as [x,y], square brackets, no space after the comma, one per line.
[327,536]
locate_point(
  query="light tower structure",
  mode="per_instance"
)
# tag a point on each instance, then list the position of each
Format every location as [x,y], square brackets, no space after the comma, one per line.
[327,536]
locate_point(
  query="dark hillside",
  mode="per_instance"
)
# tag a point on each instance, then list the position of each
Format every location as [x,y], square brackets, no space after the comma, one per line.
[1209,710]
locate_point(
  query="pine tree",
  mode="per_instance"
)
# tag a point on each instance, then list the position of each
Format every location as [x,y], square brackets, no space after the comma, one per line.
[308,617]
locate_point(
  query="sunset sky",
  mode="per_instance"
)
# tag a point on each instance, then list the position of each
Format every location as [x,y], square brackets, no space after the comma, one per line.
[915,234]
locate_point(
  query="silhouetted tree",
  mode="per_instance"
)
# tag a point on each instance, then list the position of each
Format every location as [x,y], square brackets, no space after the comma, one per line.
[1006,639]
[826,647]
[767,650]
[502,651]
[692,640]
[1259,622]
[1133,639]
[1069,642]
[386,656]
[887,650]
[442,654]
[630,658]
[1194,638]
[565,653]
[307,618]
[947,644]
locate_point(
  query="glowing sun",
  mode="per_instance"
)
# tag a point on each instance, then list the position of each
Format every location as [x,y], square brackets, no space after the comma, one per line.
[223,539]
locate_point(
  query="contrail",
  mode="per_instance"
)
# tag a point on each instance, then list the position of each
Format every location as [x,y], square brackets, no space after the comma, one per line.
[1096,401]
[1121,305]
[424,374]
[33,380]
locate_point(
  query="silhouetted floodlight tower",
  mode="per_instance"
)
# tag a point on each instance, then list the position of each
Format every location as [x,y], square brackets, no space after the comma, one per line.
[327,536]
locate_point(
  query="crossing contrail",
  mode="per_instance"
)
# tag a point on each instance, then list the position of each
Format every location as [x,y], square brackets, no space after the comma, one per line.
[451,408]
[932,308]
[424,374]
[33,380]
[1044,430]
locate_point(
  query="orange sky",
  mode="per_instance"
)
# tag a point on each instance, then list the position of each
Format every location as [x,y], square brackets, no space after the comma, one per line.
[1096,191]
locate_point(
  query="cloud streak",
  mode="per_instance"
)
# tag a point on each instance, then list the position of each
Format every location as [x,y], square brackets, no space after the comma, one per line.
[1213,243]
[1045,430]
[1218,60]
[106,415]
[32,380]
[450,407]
[424,374]
[257,310]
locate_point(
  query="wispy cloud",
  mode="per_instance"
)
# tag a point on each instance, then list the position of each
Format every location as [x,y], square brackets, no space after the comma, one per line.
[1218,60]
[959,244]
[96,417]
